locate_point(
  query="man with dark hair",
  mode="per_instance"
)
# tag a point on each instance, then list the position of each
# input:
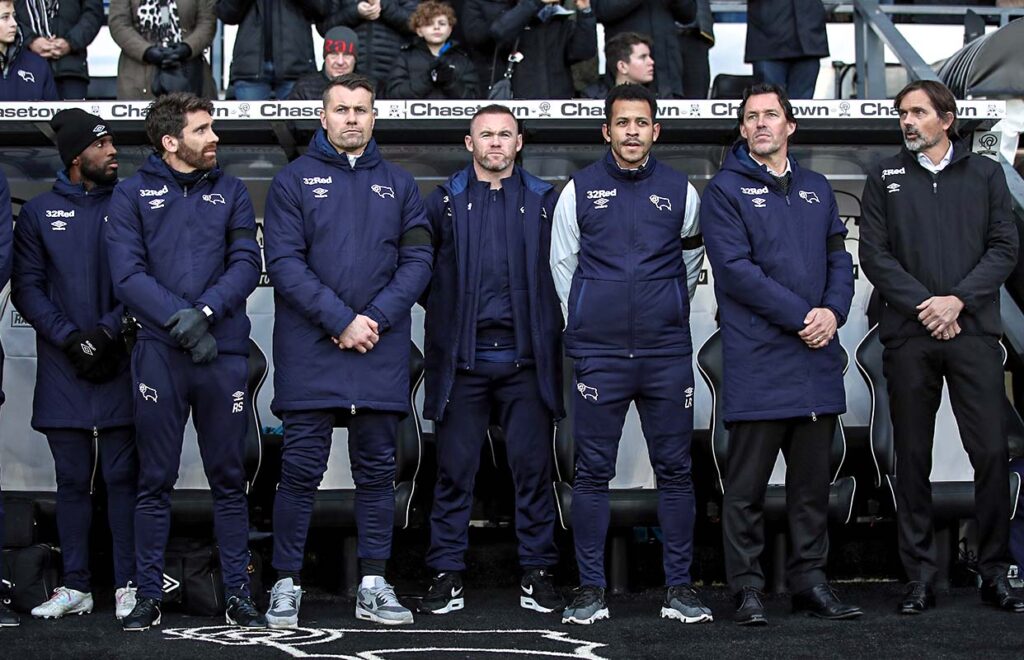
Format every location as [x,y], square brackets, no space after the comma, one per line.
[181,238]
[628,61]
[341,49]
[61,285]
[493,349]
[348,252]
[784,282]
[626,251]
[938,240]
[24,76]
[657,19]
[8,618]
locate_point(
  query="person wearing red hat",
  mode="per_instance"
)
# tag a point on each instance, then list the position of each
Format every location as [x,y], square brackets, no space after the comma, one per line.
[340,47]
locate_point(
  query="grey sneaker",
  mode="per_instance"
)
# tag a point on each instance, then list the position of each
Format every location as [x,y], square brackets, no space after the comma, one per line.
[285,599]
[682,604]
[380,605]
[587,606]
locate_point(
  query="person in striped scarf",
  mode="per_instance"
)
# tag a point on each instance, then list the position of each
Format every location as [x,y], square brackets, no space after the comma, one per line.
[60,31]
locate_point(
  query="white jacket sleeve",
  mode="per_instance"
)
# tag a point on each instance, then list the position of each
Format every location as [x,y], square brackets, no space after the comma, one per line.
[694,257]
[565,244]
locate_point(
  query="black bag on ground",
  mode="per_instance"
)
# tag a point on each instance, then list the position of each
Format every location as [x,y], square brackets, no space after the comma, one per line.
[192,577]
[30,575]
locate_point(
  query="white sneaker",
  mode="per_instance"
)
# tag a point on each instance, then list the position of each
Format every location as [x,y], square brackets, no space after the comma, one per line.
[285,600]
[64,601]
[124,601]
[380,605]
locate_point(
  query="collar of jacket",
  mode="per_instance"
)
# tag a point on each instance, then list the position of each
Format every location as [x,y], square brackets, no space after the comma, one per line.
[642,172]
[65,188]
[12,51]
[961,150]
[322,149]
[460,181]
[738,160]
[158,167]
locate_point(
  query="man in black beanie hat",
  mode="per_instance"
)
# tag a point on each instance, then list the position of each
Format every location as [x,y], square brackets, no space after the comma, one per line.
[61,285]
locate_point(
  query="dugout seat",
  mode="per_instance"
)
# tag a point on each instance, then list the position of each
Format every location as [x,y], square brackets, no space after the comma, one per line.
[952,476]
[841,491]
[729,86]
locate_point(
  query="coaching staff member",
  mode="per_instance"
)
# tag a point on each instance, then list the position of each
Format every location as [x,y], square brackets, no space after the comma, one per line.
[348,253]
[493,345]
[83,395]
[8,618]
[622,269]
[784,282]
[937,240]
[181,237]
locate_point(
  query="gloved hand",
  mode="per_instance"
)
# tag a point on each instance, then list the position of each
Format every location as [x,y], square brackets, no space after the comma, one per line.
[178,52]
[205,350]
[88,350]
[442,73]
[155,55]
[187,326]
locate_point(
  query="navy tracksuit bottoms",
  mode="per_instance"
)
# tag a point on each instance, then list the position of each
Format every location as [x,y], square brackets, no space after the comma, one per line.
[512,392]
[167,385]
[307,445]
[73,459]
[662,388]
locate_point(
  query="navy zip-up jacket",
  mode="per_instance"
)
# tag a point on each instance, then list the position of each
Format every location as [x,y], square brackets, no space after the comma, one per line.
[6,253]
[25,75]
[61,285]
[629,290]
[453,295]
[341,241]
[171,248]
[775,257]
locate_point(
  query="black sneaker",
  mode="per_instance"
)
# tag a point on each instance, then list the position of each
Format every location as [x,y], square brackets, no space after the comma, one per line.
[145,614]
[8,618]
[444,595]
[683,604]
[538,592]
[242,612]
[587,606]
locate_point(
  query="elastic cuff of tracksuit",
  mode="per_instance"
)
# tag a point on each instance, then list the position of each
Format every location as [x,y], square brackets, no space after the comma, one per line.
[372,566]
[241,592]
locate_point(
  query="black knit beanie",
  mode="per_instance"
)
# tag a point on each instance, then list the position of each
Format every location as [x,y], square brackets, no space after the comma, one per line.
[76,129]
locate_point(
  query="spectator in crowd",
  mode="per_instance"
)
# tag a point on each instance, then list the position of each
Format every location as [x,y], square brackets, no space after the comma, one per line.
[167,35]
[695,41]
[656,19]
[433,66]
[382,27]
[274,47]
[785,41]
[543,32]
[628,61]
[341,47]
[26,76]
[60,32]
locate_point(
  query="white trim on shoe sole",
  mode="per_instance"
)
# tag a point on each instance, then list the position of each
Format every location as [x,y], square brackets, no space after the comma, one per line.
[365,615]
[596,616]
[286,625]
[672,613]
[10,625]
[87,610]
[453,605]
[528,603]
[155,623]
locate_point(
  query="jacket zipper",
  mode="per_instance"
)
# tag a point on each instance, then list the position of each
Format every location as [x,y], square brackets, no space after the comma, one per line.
[95,459]
[632,269]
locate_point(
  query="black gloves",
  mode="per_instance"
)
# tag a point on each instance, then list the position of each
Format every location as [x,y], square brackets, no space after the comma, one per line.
[179,52]
[167,56]
[97,355]
[205,350]
[187,327]
[442,73]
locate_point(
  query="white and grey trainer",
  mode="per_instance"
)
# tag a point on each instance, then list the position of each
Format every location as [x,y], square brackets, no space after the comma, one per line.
[379,604]
[64,601]
[285,599]
[124,601]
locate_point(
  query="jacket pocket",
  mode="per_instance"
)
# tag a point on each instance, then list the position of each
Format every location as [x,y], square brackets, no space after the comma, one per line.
[599,314]
[658,316]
